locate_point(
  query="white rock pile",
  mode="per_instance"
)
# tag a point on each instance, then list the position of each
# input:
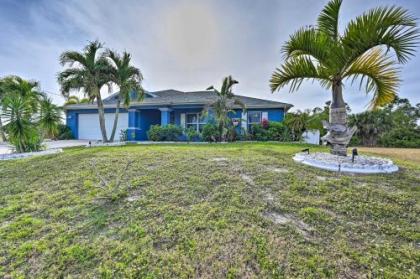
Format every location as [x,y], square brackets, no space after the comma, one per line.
[361,164]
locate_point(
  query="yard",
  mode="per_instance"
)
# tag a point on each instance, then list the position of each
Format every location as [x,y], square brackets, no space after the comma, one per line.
[208,211]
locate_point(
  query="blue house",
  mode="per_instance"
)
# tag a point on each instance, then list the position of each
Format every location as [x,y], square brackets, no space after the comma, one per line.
[165,107]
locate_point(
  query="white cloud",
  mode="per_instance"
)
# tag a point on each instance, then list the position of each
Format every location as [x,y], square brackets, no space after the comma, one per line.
[181,44]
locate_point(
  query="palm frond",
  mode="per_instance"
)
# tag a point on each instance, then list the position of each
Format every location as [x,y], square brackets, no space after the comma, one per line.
[378,73]
[71,57]
[316,45]
[392,27]
[294,71]
[328,19]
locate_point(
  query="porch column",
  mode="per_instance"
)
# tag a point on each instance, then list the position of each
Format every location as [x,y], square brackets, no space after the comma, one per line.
[133,130]
[165,116]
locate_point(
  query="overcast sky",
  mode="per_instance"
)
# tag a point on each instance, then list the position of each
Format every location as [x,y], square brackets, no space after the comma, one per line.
[180,44]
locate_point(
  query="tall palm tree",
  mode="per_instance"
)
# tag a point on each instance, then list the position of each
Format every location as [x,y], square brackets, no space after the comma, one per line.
[361,53]
[49,117]
[224,104]
[88,71]
[128,78]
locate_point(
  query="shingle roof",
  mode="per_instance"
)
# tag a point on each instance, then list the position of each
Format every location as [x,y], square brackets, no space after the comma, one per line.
[174,97]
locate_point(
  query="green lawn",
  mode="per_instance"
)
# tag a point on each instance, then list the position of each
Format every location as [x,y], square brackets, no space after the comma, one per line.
[208,211]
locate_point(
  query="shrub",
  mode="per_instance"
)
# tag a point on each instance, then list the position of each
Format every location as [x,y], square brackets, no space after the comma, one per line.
[274,131]
[164,133]
[124,135]
[192,134]
[64,132]
[210,133]
[231,134]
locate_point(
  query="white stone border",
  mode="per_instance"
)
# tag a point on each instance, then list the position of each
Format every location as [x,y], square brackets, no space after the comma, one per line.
[14,156]
[99,143]
[386,167]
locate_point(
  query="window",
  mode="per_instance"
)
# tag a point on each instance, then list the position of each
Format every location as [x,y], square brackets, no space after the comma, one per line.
[254,117]
[195,121]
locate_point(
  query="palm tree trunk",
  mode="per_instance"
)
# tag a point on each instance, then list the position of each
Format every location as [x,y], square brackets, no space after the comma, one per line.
[2,134]
[338,130]
[101,113]
[114,127]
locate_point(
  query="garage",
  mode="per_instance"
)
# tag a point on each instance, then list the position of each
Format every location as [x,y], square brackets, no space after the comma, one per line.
[89,129]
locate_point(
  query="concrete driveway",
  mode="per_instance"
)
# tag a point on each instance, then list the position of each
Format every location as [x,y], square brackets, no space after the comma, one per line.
[5,148]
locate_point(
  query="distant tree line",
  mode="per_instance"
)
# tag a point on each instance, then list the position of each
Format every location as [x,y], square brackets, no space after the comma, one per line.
[395,125]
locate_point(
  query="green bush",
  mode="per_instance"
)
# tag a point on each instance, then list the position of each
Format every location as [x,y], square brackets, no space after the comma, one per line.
[164,133]
[64,132]
[210,133]
[273,131]
[124,135]
[192,134]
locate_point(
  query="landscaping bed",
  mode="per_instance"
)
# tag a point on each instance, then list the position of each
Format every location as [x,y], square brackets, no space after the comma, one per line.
[209,211]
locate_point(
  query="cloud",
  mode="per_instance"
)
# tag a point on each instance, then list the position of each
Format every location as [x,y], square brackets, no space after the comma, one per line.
[181,44]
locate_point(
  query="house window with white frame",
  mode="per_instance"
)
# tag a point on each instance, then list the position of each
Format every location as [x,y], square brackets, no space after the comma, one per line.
[254,117]
[195,121]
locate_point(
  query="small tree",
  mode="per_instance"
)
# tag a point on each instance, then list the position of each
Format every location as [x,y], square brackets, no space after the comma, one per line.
[50,118]
[225,103]
[23,134]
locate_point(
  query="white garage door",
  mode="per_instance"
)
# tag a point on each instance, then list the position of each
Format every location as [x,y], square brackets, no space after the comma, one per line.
[89,125]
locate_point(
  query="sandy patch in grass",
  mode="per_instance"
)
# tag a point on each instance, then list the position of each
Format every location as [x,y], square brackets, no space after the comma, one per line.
[279,170]
[283,219]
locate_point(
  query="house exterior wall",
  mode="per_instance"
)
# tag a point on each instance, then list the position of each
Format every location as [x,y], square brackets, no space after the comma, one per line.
[141,119]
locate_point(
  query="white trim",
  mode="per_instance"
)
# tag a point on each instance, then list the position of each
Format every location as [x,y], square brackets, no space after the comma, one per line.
[244,120]
[165,109]
[264,115]
[182,120]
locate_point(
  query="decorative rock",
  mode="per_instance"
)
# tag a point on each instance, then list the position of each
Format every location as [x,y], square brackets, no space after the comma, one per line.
[362,164]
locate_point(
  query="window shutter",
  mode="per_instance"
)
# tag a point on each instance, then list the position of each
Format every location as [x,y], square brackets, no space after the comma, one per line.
[244,121]
[264,115]
[183,120]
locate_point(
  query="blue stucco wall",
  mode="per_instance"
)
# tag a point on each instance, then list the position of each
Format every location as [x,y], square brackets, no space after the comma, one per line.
[147,118]
[144,118]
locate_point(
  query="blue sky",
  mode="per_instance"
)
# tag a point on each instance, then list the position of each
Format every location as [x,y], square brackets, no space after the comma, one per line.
[180,44]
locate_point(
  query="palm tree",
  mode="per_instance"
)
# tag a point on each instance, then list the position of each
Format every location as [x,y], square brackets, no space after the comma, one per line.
[18,112]
[128,78]
[27,89]
[360,53]
[224,104]
[50,117]
[73,100]
[88,71]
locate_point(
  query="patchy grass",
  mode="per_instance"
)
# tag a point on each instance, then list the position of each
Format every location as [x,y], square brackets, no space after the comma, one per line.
[208,211]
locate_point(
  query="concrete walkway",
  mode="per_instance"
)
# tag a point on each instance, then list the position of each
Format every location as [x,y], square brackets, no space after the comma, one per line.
[6,149]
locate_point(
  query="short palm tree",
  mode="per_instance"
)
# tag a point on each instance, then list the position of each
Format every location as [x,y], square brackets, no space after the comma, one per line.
[128,78]
[225,103]
[18,112]
[49,117]
[360,53]
[88,71]
[27,89]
